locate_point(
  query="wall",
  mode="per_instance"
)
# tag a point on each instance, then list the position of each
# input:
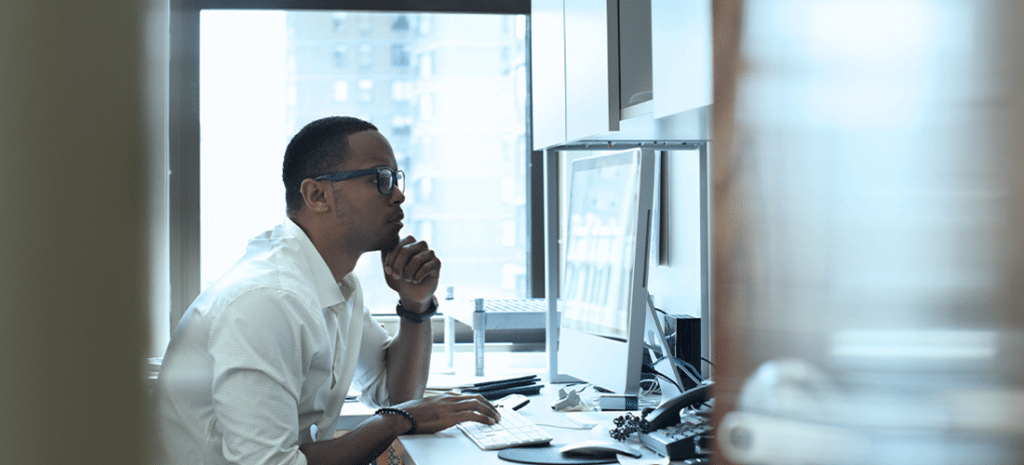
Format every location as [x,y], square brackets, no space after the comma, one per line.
[75,148]
[675,284]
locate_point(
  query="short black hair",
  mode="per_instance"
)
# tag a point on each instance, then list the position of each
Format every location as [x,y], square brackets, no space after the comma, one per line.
[314,150]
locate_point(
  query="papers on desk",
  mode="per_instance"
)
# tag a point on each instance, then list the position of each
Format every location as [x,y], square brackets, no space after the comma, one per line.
[490,389]
[625,460]
[448,382]
[604,420]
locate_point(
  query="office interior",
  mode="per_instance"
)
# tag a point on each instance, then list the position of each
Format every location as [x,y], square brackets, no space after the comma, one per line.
[865,202]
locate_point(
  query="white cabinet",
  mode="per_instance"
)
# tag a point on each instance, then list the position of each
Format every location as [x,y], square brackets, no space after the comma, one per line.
[575,66]
[681,55]
[547,51]
[591,59]
[591,67]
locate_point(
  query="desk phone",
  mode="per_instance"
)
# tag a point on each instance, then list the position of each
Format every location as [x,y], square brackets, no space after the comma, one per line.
[680,428]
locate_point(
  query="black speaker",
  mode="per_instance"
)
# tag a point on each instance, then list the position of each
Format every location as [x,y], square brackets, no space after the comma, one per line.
[687,344]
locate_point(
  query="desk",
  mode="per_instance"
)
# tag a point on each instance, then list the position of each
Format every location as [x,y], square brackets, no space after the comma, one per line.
[451,446]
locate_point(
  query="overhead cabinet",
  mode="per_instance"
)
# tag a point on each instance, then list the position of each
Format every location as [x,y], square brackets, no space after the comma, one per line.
[597,62]
[547,51]
[681,53]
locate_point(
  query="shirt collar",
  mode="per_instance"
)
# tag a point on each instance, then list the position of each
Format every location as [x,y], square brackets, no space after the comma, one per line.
[329,292]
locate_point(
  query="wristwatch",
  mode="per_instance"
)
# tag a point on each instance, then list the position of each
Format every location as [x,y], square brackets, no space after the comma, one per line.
[418,317]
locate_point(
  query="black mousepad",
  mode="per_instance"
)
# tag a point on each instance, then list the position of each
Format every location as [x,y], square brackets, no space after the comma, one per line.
[548,454]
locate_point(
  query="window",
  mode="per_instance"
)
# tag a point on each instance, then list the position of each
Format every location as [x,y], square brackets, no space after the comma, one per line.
[341,90]
[426,65]
[365,56]
[399,56]
[341,56]
[401,125]
[451,131]
[340,19]
[401,91]
[400,23]
[365,90]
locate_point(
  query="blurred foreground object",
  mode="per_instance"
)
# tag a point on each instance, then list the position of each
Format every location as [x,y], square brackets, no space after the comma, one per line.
[868,199]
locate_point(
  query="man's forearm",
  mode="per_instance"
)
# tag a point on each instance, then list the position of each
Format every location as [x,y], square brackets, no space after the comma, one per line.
[360,446]
[408,361]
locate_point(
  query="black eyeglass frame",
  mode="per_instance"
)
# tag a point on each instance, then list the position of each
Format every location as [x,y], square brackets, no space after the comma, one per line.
[397,177]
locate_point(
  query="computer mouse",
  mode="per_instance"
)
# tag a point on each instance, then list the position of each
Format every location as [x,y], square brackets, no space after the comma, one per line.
[600,448]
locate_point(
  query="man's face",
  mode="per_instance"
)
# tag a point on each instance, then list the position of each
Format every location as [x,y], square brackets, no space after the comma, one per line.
[372,220]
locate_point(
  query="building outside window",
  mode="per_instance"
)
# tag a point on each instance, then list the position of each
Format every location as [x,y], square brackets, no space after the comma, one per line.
[450,100]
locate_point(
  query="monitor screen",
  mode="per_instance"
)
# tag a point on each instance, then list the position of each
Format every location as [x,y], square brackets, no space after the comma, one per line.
[602,221]
[606,249]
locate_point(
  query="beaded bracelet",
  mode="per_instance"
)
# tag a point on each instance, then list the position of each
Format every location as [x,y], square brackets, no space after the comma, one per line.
[398,411]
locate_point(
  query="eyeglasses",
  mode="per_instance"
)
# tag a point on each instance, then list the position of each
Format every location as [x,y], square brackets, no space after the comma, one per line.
[387,178]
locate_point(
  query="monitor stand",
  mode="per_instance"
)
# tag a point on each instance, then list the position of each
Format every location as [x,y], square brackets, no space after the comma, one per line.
[618,402]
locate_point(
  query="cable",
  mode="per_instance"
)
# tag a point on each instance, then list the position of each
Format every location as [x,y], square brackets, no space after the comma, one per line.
[655,387]
[647,367]
[674,383]
[684,366]
[691,371]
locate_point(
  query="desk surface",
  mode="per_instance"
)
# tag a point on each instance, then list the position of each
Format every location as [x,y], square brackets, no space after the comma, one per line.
[440,448]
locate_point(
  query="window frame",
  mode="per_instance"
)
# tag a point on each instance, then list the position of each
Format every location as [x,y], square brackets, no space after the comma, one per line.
[184,131]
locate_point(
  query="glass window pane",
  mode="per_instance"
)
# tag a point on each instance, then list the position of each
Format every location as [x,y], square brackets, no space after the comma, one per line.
[447,91]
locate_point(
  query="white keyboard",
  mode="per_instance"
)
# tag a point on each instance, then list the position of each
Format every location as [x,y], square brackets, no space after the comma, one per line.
[513,430]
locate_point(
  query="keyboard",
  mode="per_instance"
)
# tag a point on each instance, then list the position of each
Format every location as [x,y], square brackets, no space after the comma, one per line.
[513,430]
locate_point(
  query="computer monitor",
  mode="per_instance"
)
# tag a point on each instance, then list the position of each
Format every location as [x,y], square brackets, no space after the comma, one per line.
[605,265]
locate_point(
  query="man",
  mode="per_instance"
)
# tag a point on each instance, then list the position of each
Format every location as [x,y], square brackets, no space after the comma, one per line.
[271,349]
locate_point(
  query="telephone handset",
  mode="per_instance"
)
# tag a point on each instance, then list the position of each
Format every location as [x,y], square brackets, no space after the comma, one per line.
[667,414]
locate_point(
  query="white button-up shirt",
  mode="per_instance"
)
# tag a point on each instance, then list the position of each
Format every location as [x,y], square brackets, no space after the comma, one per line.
[267,351]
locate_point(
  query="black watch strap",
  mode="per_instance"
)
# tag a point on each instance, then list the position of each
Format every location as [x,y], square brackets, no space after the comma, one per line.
[417,317]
